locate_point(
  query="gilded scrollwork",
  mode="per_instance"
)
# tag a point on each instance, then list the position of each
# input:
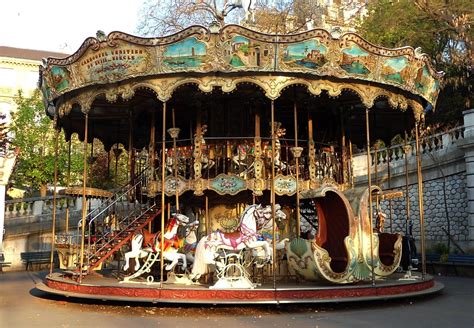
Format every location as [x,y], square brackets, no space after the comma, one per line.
[272,86]
[316,53]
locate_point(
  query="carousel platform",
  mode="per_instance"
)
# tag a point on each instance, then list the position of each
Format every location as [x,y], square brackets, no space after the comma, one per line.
[111,289]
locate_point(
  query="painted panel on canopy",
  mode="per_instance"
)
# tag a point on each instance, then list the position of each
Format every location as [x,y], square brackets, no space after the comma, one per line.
[189,53]
[227,184]
[285,185]
[245,52]
[308,54]
[60,78]
[113,63]
[426,84]
[356,60]
[396,70]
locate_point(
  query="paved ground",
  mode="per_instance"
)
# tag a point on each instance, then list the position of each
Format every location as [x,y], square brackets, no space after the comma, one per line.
[23,306]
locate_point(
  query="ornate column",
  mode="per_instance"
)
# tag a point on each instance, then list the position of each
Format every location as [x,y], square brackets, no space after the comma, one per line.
[420,198]
[84,201]
[312,155]
[296,151]
[53,224]
[259,183]
[174,132]
[369,182]
[163,176]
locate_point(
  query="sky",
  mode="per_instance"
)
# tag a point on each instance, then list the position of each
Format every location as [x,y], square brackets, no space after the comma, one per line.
[62,26]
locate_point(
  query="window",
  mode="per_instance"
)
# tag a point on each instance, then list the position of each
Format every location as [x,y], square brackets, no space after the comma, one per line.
[8,77]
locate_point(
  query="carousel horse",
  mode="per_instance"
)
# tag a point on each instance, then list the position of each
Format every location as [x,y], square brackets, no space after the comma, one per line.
[190,241]
[240,159]
[201,149]
[180,162]
[280,165]
[246,237]
[152,243]
[265,225]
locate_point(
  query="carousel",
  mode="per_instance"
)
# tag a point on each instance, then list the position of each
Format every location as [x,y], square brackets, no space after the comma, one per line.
[241,181]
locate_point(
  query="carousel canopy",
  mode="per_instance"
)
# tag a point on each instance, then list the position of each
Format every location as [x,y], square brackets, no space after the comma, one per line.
[109,77]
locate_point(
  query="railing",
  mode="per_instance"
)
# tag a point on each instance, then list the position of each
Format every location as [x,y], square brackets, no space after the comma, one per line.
[114,214]
[236,156]
[392,154]
[37,206]
[125,224]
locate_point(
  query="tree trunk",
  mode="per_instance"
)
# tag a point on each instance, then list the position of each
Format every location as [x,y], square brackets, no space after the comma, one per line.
[43,190]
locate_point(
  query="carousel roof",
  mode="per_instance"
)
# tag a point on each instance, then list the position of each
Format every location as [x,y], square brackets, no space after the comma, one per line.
[120,64]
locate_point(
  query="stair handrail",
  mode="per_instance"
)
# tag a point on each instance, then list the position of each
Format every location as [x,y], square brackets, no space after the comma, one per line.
[139,178]
[116,235]
[112,203]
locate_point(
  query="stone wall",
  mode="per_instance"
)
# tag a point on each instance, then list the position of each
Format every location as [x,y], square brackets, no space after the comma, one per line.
[445,211]
[446,188]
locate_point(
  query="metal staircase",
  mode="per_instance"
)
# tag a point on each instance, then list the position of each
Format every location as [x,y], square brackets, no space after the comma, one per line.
[131,213]
[107,245]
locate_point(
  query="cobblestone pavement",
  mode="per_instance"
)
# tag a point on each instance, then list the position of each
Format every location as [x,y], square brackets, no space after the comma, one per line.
[23,306]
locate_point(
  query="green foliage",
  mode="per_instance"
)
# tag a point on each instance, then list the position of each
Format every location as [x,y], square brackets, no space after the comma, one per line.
[443,30]
[33,133]
[441,248]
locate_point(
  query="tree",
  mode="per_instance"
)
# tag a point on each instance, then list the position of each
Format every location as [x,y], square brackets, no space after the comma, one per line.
[33,133]
[165,17]
[442,28]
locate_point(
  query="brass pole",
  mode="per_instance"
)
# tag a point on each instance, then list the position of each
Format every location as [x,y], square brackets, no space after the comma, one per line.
[208,224]
[420,200]
[350,165]
[84,201]
[68,182]
[297,156]
[131,157]
[163,145]
[272,191]
[343,150]
[152,143]
[116,165]
[175,163]
[369,181]
[407,194]
[389,185]
[152,151]
[53,232]
[376,155]
[311,154]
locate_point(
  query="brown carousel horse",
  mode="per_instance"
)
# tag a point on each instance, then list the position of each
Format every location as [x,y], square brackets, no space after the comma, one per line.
[145,242]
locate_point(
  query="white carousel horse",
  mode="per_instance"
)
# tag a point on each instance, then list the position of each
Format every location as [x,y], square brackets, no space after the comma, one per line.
[152,242]
[246,236]
[265,228]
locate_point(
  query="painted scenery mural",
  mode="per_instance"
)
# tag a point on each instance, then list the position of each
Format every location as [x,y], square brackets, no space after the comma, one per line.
[309,54]
[60,78]
[426,84]
[396,70]
[245,52]
[189,53]
[356,60]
